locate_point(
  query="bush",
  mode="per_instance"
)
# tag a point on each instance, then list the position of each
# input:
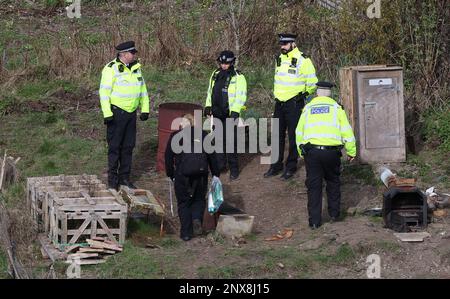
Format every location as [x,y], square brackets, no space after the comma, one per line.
[437,129]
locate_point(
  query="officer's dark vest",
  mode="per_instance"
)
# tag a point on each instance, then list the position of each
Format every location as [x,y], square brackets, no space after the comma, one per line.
[220,106]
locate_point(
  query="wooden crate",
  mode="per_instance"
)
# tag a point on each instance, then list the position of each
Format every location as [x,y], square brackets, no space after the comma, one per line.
[43,198]
[73,215]
[37,188]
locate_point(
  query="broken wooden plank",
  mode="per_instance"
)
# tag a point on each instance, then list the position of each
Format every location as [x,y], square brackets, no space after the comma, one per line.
[100,239]
[72,248]
[53,253]
[104,245]
[82,255]
[2,171]
[412,237]
[44,254]
[104,250]
[87,262]
[96,250]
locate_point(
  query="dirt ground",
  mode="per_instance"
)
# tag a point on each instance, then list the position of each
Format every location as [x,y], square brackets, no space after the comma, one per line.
[277,204]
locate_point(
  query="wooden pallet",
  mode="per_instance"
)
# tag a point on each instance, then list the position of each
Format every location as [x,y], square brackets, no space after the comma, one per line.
[74,214]
[38,187]
[43,195]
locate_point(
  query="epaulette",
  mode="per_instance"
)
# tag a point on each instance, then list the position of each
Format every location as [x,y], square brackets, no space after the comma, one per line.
[239,72]
[111,63]
[305,56]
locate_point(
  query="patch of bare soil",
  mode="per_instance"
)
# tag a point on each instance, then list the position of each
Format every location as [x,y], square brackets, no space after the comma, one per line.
[278,204]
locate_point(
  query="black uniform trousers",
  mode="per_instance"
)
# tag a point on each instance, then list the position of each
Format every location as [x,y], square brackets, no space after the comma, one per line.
[288,114]
[232,156]
[191,200]
[323,164]
[121,137]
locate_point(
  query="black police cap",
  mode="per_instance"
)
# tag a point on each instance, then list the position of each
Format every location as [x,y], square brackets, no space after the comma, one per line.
[126,47]
[226,57]
[286,37]
[323,84]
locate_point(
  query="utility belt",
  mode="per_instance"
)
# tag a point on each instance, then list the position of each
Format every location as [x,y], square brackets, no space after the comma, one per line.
[117,109]
[328,147]
[300,99]
[305,148]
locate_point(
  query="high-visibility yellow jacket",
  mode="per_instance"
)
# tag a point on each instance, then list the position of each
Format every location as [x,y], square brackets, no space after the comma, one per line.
[324,122]
[123,87]
[294,73]
[237,91]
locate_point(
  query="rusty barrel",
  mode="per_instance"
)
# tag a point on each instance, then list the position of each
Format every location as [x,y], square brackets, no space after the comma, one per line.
[167,113]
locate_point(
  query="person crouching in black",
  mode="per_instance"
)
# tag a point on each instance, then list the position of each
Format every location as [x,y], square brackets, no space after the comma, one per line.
[188,169]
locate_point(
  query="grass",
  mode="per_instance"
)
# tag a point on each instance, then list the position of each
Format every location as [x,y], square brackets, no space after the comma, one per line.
[375,219]
[360,173]
[431,167]
[135,263]
[388,246]
[47,145]
[369,247]
[212,271]
[3,265]
[13,195]
[437,127]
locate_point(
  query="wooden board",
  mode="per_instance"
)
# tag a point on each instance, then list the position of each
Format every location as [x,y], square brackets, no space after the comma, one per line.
[412,237]
[142,199]
[82,255]
[88,262]
[8,171]
[53,253]
[72,248]
[96,250]
[97,244]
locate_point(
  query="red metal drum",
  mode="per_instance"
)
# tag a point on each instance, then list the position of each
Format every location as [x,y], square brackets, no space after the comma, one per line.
[167,113]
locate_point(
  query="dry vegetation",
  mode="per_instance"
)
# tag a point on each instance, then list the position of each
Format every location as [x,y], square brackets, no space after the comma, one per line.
[42,50]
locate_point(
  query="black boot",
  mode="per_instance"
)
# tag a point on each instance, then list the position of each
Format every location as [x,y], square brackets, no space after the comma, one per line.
[273,171]
[127,183]
[197,227]
[234,174]
[113,186]
[287,175]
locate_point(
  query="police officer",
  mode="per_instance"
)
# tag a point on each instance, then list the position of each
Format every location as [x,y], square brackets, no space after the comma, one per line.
[227,94]
[295,80]
[122,90]
[189,171]
[322,131]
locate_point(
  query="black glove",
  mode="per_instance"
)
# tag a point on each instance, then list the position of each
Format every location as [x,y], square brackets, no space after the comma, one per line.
[234,115]
[144,116]
[108,120]
[207,111]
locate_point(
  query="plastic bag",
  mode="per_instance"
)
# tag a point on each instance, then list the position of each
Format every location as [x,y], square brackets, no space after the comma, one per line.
[215,195]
